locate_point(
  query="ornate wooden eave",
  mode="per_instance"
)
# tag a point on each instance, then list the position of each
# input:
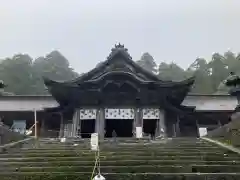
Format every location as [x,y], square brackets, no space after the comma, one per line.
[119,72]
[121,52]
[179,109]
[67,110]
[67,93]
[186,83]
[120,60]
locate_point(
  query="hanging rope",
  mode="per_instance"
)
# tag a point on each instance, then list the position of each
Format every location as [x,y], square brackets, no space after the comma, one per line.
[97,163]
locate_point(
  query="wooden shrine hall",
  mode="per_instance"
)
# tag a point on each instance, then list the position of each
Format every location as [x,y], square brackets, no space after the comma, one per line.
[119,95]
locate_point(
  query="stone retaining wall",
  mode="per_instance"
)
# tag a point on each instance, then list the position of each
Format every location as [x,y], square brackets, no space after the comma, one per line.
[229,133]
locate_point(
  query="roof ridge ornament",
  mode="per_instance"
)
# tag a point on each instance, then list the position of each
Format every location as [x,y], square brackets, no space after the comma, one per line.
[119,48]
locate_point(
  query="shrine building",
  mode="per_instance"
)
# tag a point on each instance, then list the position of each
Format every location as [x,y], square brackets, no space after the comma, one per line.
[119,95]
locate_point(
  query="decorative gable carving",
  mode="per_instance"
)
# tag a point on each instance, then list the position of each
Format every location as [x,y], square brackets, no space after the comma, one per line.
[118,65]
[118,60]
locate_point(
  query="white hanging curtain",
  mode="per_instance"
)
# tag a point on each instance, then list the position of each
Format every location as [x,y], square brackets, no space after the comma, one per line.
[119,113]
[150,113]
[88,113]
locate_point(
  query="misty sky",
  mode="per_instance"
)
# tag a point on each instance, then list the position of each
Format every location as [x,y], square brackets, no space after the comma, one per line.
[85,30]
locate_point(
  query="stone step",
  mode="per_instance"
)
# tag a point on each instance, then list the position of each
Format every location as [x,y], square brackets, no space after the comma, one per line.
[147,151]
[105,169]
[136,149]
[117,176]
[166,141]
[165,160]
[126,142]
[117,163]
[124,146]
[109,153]
[131,139]
[131,144]
[120,154]
[130,169]
[116,158]
[135,142]
[218,150]
[147,146]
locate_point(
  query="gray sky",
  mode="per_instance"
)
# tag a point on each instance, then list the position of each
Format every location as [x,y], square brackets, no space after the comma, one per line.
[85,30]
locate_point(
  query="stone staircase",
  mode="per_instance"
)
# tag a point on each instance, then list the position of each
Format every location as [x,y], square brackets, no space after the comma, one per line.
[128,159]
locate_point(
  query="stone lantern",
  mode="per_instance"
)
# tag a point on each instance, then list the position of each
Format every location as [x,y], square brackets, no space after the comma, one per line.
[2,86]
[233,82]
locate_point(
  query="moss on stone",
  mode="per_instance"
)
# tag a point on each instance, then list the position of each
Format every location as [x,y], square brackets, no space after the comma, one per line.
[120,162]
[142,176]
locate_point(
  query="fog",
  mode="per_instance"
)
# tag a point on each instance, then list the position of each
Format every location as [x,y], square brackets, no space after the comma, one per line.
[85,31]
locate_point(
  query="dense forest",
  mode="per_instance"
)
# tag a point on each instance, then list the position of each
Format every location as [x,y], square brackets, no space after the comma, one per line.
[23,75]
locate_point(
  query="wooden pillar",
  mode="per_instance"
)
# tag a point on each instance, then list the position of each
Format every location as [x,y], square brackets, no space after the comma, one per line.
[158,128]
[197,124]
[42,130]
[74,119]
[219,123]
[75,123]
[134,122]
[178,132]
[35,122]
[61,131]
[100,122]
[138,119]
[97,123]
[79,131]
[161,124]
[174,130]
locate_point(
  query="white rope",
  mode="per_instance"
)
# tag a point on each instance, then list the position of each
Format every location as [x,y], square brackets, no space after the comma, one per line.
[97,163]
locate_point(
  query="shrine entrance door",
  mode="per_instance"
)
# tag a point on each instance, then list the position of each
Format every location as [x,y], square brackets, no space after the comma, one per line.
[120,121]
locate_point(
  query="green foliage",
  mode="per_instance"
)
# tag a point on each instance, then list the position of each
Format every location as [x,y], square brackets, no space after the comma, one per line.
[22,75]
[202,73]
[209,75]
[172,72]
[54,66]
[148,63]
[218,69]
[17,74]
